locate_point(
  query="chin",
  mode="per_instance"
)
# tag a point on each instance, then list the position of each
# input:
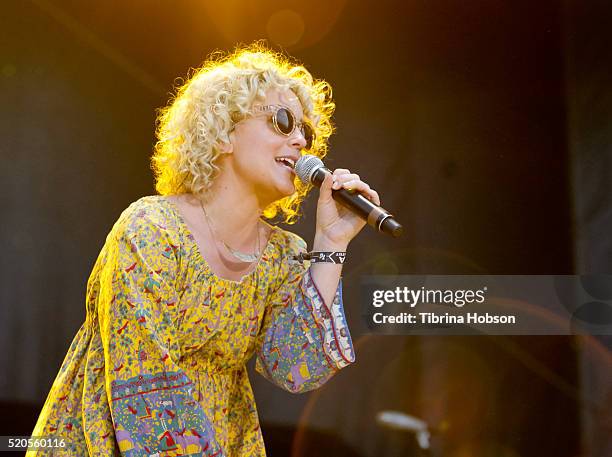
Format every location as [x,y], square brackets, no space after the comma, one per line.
[284,191]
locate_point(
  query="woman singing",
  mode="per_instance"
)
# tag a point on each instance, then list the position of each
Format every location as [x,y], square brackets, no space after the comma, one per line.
[191,283]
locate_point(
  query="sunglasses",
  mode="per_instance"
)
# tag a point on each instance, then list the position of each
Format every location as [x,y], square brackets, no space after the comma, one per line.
[284,122]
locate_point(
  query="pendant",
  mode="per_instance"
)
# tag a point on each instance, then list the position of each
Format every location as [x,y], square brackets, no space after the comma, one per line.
[243,257]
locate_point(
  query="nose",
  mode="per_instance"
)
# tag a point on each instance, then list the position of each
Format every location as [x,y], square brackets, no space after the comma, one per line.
[297,139]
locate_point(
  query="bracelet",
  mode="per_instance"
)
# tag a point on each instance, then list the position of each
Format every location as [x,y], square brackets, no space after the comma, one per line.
[321,256]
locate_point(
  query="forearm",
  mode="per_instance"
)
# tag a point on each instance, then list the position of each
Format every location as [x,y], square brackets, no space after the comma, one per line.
[326,276]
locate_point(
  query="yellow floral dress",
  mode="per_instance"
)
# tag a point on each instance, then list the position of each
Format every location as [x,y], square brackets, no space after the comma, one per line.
[158,367]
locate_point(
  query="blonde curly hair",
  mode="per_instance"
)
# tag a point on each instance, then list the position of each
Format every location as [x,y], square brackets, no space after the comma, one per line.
[215,96]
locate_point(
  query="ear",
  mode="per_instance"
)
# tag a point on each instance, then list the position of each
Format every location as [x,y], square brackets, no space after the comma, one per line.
[226,148]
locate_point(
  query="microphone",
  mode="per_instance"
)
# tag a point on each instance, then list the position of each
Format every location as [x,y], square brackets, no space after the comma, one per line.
[310,169]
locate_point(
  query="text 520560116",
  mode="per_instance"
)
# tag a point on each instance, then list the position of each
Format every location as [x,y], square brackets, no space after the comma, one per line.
[23,443]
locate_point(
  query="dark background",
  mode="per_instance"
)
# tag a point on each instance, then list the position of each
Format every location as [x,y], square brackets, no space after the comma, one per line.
[485,125]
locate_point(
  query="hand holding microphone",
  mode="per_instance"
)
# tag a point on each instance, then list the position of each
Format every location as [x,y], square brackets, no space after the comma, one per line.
[360,200]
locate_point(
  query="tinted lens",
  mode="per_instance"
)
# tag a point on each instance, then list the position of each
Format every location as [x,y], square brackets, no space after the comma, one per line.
[284,121]
[308,135]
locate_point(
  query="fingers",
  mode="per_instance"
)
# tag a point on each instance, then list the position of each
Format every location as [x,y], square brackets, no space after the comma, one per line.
[351,181]
[341,171]
[372,195]
[341,177]
[327,182]
[326,188]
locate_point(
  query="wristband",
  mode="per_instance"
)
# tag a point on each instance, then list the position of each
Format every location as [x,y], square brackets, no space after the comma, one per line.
[321,256]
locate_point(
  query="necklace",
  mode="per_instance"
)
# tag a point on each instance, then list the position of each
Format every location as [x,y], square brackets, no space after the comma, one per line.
[242,256]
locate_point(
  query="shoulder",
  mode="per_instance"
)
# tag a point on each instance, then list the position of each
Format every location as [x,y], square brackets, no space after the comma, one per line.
[288,242]
[284,246]
[152,213]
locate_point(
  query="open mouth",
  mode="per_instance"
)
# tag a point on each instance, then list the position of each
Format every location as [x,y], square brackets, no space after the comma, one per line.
[286,162]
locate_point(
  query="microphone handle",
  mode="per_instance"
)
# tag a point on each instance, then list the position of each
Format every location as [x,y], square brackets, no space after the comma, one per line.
[377,217]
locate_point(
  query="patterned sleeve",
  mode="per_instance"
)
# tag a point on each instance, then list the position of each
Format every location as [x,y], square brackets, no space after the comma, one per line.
[303,340]
[150,397]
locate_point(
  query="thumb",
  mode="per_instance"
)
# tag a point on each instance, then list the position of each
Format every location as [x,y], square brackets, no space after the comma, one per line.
[325,191]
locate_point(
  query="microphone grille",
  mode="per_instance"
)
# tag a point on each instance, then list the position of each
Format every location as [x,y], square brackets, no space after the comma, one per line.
[306,166]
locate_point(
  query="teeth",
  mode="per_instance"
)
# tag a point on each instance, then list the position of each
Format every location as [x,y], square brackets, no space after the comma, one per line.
[287,161]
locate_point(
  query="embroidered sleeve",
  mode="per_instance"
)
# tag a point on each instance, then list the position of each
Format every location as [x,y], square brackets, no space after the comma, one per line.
[303,340]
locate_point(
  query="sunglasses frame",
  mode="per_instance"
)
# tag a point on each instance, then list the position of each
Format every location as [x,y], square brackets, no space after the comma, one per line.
[302,125]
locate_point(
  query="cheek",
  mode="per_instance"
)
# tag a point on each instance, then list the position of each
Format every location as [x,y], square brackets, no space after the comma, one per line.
[253,161]
[255,150]
[259,144]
